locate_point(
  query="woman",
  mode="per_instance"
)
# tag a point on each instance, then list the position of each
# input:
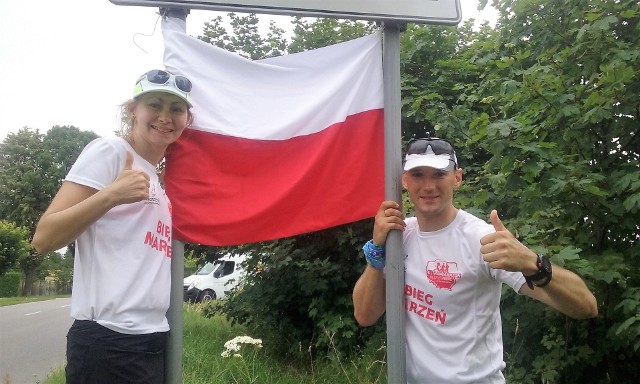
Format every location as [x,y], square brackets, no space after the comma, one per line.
[113,205]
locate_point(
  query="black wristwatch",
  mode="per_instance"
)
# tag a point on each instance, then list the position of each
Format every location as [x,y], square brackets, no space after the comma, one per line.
[543,276]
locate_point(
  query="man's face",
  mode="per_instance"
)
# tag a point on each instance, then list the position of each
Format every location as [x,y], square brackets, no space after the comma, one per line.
[431,190]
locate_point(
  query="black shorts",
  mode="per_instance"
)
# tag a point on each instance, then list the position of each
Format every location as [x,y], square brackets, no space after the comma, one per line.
[98,355]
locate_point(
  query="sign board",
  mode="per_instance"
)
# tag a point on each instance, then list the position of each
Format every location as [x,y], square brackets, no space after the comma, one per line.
[414,11]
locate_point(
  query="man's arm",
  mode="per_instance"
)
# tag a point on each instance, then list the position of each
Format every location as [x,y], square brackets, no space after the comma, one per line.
[566,292]
[369,300]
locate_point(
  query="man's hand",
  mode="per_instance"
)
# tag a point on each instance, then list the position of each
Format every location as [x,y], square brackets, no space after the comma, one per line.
[388,217]
[501,250]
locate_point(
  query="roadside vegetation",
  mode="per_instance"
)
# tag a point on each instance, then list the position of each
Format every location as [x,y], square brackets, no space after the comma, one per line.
[204,363]
[4,301]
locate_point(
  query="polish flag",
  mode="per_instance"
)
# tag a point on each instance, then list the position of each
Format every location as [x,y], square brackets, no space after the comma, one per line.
[279,147]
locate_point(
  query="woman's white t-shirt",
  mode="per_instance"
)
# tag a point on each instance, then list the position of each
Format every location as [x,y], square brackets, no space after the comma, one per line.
[122,265]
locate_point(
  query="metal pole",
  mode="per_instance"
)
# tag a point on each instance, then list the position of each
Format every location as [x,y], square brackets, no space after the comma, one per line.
[395,314]
[175,314]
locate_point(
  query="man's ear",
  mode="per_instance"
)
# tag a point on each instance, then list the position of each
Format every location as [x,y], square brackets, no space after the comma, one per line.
[458,174]
[404,181]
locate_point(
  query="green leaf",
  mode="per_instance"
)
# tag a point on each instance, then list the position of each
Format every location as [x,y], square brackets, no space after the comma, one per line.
[627,324]
[594,190]
[632,202]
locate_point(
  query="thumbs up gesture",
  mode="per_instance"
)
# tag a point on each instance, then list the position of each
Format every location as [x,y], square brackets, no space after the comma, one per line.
[132,185]
[501,250]
[497,223]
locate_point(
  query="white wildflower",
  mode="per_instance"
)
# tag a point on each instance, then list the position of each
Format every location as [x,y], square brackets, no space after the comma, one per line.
[235,344]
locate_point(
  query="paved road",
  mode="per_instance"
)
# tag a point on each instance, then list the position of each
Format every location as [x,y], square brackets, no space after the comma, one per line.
[33,340]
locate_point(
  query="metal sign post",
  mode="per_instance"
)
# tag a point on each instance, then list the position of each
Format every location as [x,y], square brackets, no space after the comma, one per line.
[394,270]
[393,15]
[175,314]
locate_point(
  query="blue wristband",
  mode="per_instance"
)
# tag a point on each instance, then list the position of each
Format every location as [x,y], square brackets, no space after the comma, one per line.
[374,254]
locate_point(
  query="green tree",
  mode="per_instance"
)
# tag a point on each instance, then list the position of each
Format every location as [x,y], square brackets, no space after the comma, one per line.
[317,33]
[32,166]
[60,267]
[13,245]
[22,197]
[559,119]
[245,39]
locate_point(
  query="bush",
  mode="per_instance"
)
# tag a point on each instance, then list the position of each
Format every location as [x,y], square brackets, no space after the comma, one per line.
[10,284]
[299,291]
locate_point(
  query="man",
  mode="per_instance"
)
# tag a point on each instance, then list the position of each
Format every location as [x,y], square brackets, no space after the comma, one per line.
[455,265]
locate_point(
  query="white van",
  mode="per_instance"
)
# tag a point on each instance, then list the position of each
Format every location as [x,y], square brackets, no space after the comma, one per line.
[214,280]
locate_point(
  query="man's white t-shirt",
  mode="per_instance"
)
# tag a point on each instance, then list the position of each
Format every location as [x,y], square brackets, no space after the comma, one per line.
[122,265]
[452,297]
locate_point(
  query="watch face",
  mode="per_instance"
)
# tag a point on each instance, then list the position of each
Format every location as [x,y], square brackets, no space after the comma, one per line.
[546,264]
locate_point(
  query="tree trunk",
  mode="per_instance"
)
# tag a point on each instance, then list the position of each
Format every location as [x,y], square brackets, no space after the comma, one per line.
[28,283]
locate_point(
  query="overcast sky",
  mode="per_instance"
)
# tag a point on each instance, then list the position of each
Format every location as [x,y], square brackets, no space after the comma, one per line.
[72,62]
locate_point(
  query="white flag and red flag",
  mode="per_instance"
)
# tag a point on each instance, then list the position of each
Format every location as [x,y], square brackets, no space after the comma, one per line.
[280,146]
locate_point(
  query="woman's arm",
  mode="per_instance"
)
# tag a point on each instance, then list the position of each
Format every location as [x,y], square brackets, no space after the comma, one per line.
[75,207]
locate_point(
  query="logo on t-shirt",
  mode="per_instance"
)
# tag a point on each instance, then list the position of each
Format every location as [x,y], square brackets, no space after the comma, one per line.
[153,199]
[443,274]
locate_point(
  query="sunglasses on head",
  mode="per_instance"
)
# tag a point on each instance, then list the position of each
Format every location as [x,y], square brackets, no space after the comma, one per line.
[161,77]
[438,146]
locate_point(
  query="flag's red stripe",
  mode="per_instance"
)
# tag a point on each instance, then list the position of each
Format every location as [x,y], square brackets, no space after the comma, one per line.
[228,190]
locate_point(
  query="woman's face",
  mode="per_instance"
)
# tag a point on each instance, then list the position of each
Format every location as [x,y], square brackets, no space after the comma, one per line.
[159,118]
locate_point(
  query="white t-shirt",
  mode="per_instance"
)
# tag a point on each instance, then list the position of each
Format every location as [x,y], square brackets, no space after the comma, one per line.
[122,266]
[452,297]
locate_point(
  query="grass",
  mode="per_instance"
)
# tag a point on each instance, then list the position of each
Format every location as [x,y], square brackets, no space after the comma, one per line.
[4,301]
[204,342]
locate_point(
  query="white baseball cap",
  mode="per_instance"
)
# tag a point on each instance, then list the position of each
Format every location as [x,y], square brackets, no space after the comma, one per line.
[430,152]
[158,80]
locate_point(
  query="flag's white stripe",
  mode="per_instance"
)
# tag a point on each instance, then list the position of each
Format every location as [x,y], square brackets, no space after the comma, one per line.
[276,98]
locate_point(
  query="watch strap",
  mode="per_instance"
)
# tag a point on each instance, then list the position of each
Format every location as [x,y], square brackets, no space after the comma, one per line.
[543,276]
